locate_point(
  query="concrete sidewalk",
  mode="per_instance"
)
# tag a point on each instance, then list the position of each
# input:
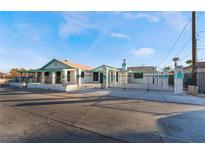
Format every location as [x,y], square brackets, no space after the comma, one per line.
[156,95]
[162,96]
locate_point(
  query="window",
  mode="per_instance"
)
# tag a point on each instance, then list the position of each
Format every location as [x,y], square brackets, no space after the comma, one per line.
[116,76]
[95,76]
[46,74]
[82,74]
[138,75]
[68,76]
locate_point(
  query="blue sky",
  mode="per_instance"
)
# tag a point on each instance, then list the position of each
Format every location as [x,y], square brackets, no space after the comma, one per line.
[31,39]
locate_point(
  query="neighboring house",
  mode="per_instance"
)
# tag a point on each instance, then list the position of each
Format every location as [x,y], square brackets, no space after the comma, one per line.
[115,75]
[143,74]
[66,75]
[4,77]
[200,76]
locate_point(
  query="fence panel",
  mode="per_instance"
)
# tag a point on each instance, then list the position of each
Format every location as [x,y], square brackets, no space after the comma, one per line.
[146,82]
[201,82]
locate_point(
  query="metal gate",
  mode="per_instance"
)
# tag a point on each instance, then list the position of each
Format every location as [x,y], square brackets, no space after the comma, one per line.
[201,82]
[154,82]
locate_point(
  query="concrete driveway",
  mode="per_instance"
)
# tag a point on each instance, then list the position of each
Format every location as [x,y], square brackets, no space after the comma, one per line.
[28,115]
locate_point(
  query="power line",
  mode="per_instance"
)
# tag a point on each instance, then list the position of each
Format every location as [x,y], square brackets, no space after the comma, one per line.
[178,53]
[183,47]
[171,49]
[186,56]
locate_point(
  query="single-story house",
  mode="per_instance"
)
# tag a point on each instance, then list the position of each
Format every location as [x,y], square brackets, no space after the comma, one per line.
[141,74]
[66,75]
[144,75]
[4,77]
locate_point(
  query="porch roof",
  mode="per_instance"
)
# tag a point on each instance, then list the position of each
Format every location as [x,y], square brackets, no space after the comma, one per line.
[42,70]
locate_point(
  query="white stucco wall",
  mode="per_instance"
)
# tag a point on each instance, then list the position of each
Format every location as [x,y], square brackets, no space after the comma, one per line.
[65,88]
[17,84]
[146,77]
[88,77]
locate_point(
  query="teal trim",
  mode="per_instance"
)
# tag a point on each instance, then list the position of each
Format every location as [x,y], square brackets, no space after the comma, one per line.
[42,70]
[179,76]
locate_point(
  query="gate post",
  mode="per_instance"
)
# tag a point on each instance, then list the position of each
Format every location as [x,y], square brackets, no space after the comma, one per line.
[79,77]
[105,77]
[165,79]
[178,79]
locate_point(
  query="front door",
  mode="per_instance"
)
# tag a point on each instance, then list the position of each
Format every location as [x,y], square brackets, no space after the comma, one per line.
[101,77]
[58,77]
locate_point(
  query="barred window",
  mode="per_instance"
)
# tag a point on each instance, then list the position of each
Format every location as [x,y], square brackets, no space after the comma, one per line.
[116,76]
[138,75]
[95,76]
[68,76]
[82,74]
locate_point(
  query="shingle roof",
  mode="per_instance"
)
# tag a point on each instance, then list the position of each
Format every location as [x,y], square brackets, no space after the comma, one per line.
[78,66]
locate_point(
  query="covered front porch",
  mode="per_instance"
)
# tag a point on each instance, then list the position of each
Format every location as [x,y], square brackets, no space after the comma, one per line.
[109,76]
[51,76]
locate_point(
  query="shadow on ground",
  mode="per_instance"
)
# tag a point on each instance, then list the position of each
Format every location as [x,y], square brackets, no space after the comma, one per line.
[188,126]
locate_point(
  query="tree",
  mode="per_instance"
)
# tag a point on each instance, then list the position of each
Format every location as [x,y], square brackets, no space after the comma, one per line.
[175,60]
[189,62]
[15,71]
[167,68]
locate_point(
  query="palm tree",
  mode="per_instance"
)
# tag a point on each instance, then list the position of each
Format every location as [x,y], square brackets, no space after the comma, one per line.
[167,68]
[175,60]
[189,62]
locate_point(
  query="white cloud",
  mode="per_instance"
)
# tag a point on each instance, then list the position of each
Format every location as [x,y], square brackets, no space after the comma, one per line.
[119,35]
[150,17]
[175,19]
[143,52]
[74,23]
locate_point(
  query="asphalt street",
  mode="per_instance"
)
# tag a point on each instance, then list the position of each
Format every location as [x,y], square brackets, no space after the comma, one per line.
[34,115]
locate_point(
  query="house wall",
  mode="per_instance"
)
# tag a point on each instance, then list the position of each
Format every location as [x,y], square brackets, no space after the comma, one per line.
[201,69]
[17,84]
[144,80]
[155,79]
[88,77]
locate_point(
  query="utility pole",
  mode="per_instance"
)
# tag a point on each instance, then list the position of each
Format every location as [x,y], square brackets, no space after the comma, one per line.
[194,52]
